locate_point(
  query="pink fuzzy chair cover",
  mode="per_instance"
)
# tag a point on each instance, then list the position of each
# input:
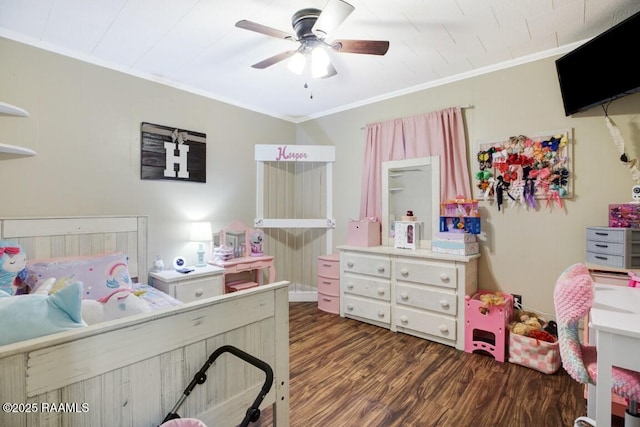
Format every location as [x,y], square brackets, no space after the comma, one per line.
[573,298]
[183,422]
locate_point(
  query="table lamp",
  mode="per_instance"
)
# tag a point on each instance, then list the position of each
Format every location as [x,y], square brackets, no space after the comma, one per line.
[201,232]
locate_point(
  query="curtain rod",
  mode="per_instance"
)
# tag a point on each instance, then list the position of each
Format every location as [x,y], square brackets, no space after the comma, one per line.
[464,107]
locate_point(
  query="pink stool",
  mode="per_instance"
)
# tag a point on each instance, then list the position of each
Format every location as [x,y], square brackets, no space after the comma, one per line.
[486,325]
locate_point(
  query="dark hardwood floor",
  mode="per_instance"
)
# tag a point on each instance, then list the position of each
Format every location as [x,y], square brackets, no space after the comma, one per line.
[346,373]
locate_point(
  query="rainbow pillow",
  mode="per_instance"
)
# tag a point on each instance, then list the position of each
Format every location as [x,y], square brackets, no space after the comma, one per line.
[99,274]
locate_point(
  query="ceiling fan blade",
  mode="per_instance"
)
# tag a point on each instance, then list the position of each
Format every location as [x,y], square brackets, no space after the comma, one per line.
[369,47]
[263,29]
[333,14]
[274,59]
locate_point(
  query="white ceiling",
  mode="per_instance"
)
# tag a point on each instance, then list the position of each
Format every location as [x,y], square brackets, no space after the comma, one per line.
[194,44]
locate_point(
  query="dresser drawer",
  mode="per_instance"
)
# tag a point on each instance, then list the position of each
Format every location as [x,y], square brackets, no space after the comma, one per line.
[329,303]
[607,234]
[428,273]
[198,289]
[607,248]
[606,260]
[329,286]
[367,309]
[329,266]
[426,323]
[426,298]
[371,288]
[371,265]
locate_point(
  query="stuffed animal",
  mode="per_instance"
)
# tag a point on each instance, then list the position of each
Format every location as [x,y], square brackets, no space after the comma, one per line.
[120,303]
[13,261]
[36,315]
[529,324]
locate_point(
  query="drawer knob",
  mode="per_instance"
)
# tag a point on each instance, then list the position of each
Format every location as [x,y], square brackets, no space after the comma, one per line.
[444,329]
[199,293]
[350,264]
[380,269]
[444,304]
[404,296]
[326,299]
[349,285]
[404,319]
[380,313]
[324,282]
[380,291]
[349,307]
[404,272]
[444,277]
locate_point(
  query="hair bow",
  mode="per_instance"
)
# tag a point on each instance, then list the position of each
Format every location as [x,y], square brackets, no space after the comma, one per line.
[9,250]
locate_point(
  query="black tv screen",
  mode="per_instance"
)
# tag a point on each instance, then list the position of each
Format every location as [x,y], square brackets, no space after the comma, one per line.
[602,69]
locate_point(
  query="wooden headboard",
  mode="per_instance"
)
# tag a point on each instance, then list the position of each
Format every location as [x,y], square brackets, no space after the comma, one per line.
[76,236]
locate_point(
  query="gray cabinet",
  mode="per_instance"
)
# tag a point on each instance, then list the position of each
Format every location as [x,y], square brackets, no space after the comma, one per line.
[613,247]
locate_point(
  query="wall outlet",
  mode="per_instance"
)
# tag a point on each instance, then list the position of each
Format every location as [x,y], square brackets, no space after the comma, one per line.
[517,302]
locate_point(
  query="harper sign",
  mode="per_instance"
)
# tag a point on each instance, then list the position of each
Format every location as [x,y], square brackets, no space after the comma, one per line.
[295,153]
[173,154]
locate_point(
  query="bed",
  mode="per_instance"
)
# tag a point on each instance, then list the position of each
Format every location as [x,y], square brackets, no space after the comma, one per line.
[132,371]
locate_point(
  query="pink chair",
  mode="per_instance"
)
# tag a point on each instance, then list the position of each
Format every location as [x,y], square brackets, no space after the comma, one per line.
[573,298]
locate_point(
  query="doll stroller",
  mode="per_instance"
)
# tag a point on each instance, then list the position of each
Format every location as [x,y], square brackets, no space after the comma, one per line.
[252,414]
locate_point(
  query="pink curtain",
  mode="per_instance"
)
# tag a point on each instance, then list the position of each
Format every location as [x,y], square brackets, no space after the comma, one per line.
[438,133]
[384,142]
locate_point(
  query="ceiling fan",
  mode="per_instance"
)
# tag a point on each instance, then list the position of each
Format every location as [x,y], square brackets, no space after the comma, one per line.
[312,27]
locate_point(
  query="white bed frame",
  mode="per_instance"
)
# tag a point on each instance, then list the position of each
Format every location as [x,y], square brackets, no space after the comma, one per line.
[132,371]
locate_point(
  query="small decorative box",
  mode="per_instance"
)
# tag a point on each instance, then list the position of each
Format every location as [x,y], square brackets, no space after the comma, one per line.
[455,248]
[407,234]
[455,236]
[363,233]
[625,215]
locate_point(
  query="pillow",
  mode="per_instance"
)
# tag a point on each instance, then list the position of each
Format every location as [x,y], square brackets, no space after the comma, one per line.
[100,274]
[31,316]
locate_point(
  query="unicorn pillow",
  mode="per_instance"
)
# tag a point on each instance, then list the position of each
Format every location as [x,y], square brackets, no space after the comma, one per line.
[100,274]
[31,316]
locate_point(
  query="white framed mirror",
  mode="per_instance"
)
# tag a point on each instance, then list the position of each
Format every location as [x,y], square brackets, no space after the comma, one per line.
[411,185]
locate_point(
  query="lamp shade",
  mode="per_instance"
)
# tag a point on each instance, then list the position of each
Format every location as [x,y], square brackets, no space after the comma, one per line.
[201,232]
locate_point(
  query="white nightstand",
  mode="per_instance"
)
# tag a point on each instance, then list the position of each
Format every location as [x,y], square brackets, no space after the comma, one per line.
[203,282]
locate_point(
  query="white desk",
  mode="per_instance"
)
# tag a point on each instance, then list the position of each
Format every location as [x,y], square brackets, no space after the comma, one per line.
[615,318]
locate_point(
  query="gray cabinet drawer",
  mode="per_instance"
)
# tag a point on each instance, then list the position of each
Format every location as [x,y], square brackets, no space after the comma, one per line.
[606,234]
[606,248]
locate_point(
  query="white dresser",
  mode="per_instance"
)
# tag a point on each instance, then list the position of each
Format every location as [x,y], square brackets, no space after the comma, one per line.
[417,292]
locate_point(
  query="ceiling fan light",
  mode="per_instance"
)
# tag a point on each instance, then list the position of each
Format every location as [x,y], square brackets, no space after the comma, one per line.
[296,63]
[319,62]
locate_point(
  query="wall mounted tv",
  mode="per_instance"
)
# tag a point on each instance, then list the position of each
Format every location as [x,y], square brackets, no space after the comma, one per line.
[602,69]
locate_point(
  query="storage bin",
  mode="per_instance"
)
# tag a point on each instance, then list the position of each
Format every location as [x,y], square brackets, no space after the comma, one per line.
[363,233]
[536,354]
[329,303]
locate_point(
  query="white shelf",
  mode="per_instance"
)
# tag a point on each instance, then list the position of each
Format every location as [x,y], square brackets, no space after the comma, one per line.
[14,149]
[11,110]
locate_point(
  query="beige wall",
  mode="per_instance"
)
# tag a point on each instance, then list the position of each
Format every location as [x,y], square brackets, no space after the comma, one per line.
[85,123]
[523,251]
[85,127]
